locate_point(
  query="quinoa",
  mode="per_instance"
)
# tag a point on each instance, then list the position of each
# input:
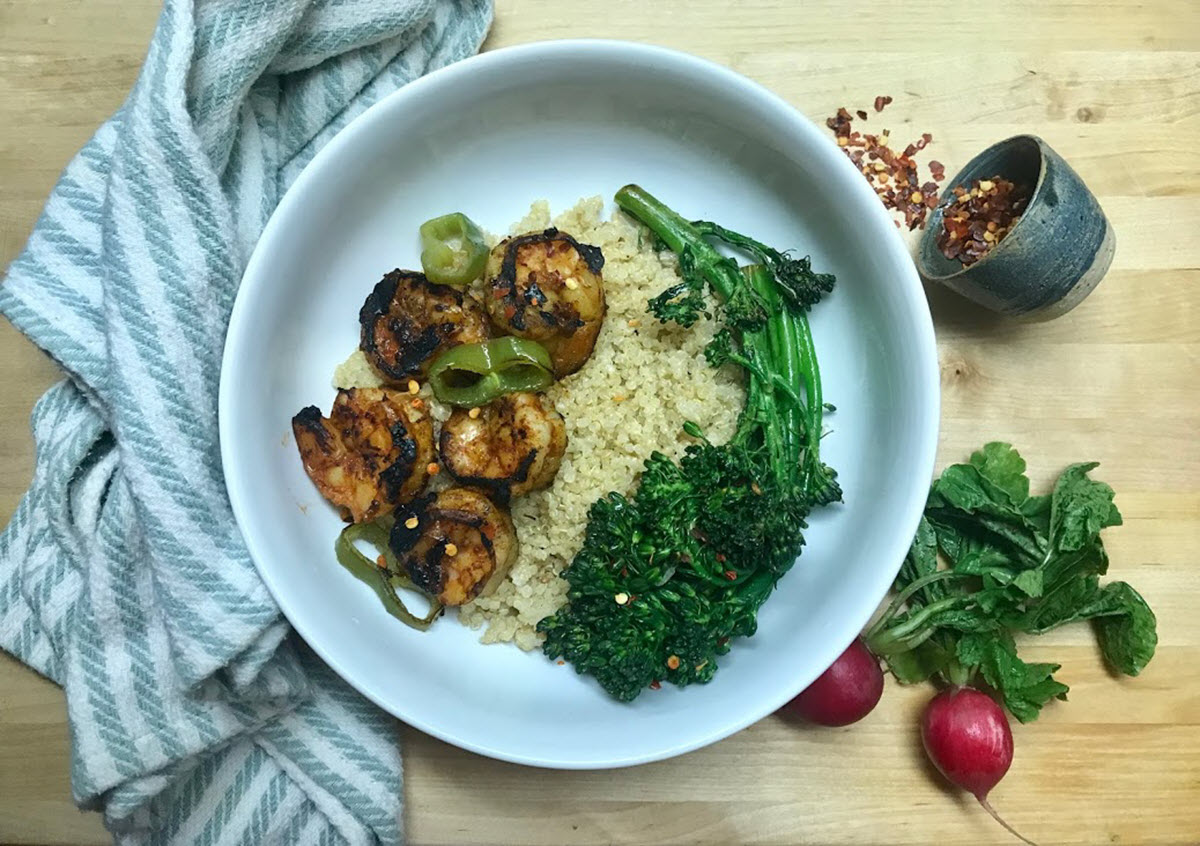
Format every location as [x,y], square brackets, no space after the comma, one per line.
[642,382]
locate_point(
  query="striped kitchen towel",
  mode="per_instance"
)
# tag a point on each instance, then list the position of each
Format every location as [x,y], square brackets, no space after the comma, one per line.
[196,715]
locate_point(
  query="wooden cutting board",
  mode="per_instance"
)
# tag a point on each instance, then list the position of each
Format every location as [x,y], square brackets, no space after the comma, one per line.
[1115,88]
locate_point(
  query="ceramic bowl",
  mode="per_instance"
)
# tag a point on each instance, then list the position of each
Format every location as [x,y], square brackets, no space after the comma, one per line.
[488,136]
[1053,257]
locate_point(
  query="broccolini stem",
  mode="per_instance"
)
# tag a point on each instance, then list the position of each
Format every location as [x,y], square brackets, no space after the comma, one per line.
[759,250]
[786,423]
[679,235]
[668,225]
[811,374]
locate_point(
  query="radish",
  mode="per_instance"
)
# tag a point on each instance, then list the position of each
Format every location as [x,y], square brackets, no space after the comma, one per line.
[843,694]
[967,737]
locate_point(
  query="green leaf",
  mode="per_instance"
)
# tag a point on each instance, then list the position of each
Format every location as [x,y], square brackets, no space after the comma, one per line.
[1009,533]
[1036,510]
[1128,632]
[923,553]
[982,560]
[921,561]
[960,487]
[1068,599]
[919,664]
[1080,508]
[1025,688]
[1029,582]
[998,602]
[1091,560]
[1003,470]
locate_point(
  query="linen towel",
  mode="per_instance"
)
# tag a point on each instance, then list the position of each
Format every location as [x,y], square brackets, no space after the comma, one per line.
[196,715]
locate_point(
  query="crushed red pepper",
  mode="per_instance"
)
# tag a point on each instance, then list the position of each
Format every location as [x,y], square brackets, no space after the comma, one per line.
[977,218]
[892,174]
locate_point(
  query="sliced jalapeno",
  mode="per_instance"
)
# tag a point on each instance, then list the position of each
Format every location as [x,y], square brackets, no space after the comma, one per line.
[453,251]
[383,580]
[471,375]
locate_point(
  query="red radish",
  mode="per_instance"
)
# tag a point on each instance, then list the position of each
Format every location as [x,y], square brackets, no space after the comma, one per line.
[843,694]
[967,737]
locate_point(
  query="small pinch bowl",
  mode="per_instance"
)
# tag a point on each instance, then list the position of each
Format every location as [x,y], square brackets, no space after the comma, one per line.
[1054,256]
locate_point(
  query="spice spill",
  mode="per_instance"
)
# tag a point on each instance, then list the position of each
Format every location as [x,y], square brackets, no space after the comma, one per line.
[892,173]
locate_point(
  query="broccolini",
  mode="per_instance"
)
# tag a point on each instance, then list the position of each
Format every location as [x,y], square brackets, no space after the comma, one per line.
[668,576]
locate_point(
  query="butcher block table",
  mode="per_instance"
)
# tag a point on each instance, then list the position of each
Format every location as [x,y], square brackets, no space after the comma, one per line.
[1114,86]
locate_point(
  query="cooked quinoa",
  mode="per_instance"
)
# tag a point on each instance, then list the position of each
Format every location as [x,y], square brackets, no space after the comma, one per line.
[643,381]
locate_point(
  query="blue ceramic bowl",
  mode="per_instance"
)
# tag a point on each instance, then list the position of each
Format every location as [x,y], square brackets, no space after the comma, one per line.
[1055,254]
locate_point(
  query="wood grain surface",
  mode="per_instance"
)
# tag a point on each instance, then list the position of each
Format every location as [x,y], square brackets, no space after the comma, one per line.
[1114,86]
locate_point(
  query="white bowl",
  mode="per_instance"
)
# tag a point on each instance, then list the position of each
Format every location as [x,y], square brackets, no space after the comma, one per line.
[564,120]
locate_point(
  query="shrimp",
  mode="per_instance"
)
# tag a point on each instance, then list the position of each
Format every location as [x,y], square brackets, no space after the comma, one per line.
[371,453]
[511,446]
[407,320]
[546,286]
[457,545]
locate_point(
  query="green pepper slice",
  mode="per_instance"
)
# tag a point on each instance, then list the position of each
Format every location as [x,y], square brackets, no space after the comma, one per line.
[383,581]
[471,375]
[453,251]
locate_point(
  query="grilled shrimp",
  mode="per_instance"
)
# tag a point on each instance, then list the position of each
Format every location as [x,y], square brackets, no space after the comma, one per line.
[371,453]
[407,320]
[546,286]
[457,545]
[510,447]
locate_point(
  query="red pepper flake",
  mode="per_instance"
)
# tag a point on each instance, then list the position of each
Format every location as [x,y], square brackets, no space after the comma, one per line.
[862,115]
[722,641]
[655,685]
[381,563]
[720,556]
[893,175]
[976,218]
[731,575]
